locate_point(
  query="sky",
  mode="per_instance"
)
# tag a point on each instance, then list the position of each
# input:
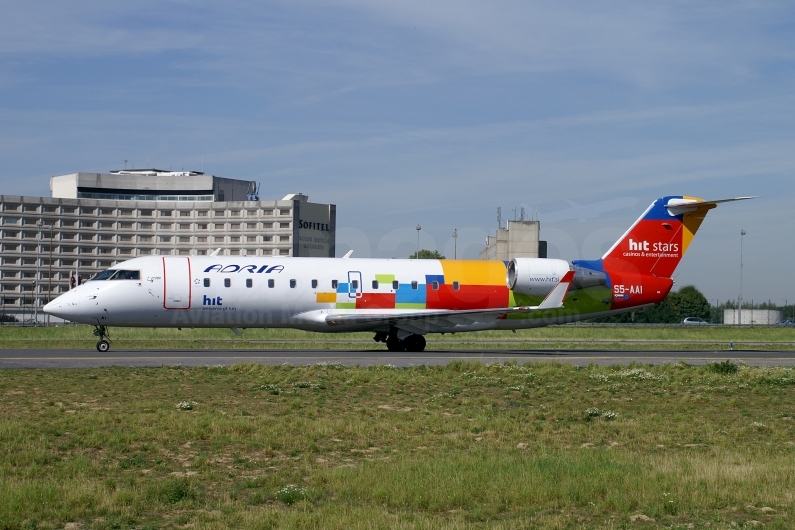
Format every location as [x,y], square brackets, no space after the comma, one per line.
[431,113]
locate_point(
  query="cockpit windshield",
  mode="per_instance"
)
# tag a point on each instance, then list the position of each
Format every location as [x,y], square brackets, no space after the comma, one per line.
[117,274]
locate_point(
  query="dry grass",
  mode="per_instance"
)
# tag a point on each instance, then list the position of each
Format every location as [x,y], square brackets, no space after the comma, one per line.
[462,446]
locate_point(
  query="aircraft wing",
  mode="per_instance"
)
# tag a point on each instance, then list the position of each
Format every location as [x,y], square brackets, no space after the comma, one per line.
[426,321]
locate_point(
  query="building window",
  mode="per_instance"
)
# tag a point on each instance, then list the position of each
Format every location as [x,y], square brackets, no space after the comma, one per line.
[10,207]
[30,208]
[227,282]
[10,220]
[102,224]
[202,227]
[184,226]
[234,239]
[146,226]
[234,213]
[234,252]
[218,213]
[126,225]
[87,211]
[202,239]
[219,226]
[249,282]
[121,238]
[144,239]
[165,226]
[184,239]
[235,226]
[184,213]
[165,239]
[271,283]
[165,213]
[202,213]
[125,213]
[145,213]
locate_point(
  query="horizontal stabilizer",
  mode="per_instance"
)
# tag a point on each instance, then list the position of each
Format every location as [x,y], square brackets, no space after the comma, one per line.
[680,206]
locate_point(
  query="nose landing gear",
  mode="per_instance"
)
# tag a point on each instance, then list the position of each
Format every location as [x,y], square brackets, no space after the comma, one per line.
[103,344]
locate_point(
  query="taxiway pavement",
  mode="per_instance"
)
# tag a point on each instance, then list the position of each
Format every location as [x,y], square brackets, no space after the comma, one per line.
[62,358]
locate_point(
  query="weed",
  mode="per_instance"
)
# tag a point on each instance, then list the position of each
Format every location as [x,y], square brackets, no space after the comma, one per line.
[724,367]
[290,494]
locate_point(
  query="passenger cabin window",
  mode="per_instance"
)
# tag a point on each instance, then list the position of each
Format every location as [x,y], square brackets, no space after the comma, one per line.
[249,282]
[227,282]
[314,284]
[414,285]
[375,284]
[207,282]
[292,284]
[355,284]
[333,284]
[395,285]
[435,286]
[271,283]
[456,286]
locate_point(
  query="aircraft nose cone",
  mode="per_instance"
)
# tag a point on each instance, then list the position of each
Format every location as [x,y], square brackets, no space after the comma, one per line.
[65,307]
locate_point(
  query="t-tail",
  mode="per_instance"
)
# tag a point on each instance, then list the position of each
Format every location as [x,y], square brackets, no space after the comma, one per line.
[640,265]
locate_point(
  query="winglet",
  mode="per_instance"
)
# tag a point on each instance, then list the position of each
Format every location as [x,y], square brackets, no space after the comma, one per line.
[347,254]
[554,299]
[216,251]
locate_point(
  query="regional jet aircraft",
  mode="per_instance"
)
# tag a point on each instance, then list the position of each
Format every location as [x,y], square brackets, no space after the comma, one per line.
[399,300]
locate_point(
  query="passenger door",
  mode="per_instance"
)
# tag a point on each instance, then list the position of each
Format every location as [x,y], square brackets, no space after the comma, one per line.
[177,282]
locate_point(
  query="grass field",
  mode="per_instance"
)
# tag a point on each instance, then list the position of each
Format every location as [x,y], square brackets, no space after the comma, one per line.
[553,337]
[462,446]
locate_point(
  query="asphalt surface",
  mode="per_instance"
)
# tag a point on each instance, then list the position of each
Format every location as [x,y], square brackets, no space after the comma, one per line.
[58,358]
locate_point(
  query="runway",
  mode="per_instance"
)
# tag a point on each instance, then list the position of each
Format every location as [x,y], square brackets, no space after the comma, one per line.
[61,358]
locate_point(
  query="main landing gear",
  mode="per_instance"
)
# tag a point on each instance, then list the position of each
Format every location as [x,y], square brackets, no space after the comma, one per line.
[412,343]
[103,344]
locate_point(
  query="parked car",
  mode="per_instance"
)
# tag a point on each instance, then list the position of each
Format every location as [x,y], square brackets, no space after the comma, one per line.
[694,321]
[787,323]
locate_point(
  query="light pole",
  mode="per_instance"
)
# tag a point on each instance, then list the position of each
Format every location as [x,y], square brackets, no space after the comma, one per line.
[455,243]
[740,300]
[36,283]
[417,256]
[49,274]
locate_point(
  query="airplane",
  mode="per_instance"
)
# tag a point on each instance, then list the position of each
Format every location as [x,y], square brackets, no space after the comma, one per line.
[400,300]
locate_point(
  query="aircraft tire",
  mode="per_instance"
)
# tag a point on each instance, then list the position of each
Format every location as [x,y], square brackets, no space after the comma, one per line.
[415,343]
[103,346]
[395,344]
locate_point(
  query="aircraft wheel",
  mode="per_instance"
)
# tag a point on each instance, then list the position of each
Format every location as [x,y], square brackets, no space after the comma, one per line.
[395,344]
[103,346]
[415,343]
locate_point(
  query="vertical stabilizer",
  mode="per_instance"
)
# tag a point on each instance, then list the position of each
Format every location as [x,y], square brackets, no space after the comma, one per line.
[656,242]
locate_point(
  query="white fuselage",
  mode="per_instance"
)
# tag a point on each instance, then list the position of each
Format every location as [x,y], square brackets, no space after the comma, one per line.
[248,292]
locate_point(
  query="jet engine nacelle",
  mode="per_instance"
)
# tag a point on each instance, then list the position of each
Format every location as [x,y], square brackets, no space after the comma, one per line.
[535,276]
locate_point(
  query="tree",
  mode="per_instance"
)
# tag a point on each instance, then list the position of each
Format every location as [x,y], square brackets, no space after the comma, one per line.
[689,302]
[427,254]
